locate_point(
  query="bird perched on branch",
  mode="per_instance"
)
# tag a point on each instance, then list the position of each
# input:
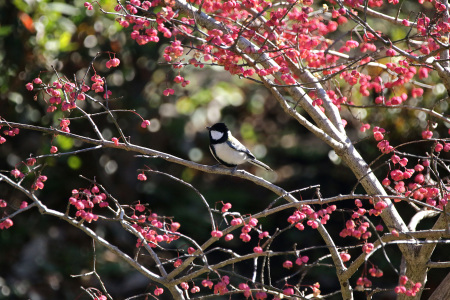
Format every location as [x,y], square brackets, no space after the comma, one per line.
[228,151]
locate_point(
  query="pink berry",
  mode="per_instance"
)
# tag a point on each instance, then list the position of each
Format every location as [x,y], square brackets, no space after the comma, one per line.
[367,248]
[207,283]
[139,207]
[216,233]
[142,177]
[253,222]
[263,234]
[236,222]
[8,223]
[175,226]
[288,291]
[145,123]
[115,140]
[298,261]
[177,263]
[257,249]
[168,92]
[345,256]
[16,173]
[403,280]
[229,237]
[400,289]
[427,134]
[245,237]
[158,291]
[287,264]
[226,207]
[391,52]
[88,6]
[95,189]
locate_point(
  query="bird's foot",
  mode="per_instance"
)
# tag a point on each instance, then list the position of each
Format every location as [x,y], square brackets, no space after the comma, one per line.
[234,170]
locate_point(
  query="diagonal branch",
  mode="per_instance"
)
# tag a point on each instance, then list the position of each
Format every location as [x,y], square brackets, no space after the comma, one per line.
[150,153]
[89,232]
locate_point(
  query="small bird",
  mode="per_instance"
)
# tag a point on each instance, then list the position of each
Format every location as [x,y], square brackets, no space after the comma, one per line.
[227,150]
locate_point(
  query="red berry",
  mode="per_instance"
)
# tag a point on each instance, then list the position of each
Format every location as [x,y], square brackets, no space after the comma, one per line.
[142,177]
[257,249]
[29,86]
[287,264]
[229,237]
[403,280]
[345,256]
[145,123]
[216,233]
[158,291]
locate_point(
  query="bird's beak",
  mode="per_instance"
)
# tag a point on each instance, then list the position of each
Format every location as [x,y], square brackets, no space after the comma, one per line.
[207,127]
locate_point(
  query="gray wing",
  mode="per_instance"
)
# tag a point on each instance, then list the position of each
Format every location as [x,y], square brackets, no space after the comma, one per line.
[236,145]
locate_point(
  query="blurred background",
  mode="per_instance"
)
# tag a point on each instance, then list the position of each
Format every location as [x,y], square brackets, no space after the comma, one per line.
[39,254]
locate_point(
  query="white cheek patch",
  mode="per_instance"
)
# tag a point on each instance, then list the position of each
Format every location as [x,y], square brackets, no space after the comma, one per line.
[216,135]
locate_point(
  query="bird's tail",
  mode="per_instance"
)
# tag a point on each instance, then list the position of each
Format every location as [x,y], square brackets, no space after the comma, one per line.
[260,164]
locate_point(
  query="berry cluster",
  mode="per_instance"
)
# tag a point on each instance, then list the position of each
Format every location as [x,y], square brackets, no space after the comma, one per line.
[85,200]
[154,231]
[414,183]
[313,218]
[8,132]
[413,287]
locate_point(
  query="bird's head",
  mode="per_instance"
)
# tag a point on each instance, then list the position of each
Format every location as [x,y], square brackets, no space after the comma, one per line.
[218,132]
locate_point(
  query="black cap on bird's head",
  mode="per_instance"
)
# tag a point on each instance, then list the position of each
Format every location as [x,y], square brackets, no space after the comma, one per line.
[218,133]
[221,127]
